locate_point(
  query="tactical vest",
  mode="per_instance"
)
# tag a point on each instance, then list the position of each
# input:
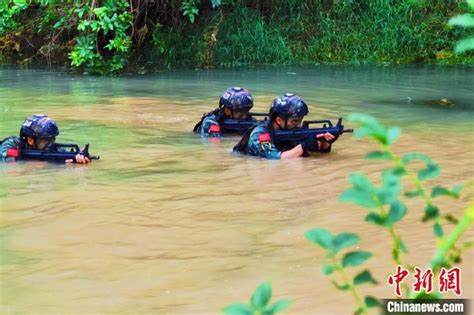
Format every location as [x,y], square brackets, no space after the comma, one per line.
[242,146]
[219,113]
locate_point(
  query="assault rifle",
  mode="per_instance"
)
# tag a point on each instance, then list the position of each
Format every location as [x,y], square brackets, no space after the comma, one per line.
[59,152]
[298,135]
[241,126]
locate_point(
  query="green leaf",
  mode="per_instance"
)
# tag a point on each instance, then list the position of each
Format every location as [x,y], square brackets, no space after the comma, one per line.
[438,230]
[401,245]
[428,296]
[278,306]
[390,189]
[396,253]
[369,127]
[471,4]
[392,134]
[431,212]
[358,197]
[262,296]
[466,20]
[364,277]
[362,192]
[409,157]
[377,219]
[441,191]
[361,182]
[343,287]
[451,218]
[397,211]
[238,309]
[344,240]
[328,269]
[431,171]
[399,171]
[371,301]
[20,2]
[414,193]
[355,258]
[457,189]
[321,237]
[377,155]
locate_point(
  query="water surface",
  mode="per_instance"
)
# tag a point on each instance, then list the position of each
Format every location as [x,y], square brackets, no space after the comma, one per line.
[167,223]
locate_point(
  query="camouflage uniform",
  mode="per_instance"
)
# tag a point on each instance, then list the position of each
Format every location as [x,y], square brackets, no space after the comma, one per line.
[210,126]
[235,99]
[261,143]
[258,141]
[37,127]
[10,149]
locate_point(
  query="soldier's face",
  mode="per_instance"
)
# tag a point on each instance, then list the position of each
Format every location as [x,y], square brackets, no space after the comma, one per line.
[239,115]
[294,122]
[44,143]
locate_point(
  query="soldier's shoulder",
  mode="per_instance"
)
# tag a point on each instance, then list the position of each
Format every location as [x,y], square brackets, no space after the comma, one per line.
[10,142]
[210,118]
[10,149]
[259,130]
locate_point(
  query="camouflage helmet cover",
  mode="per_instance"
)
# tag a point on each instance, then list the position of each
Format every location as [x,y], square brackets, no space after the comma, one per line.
[39,126]
[288,105]
[236,99]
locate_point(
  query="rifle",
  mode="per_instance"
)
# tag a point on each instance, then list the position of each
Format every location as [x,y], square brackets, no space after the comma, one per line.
[298,135]
[240,126]
[60,152]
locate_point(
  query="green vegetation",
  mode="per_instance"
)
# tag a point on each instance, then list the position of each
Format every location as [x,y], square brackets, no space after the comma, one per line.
[112,36]
[259,303]
[465,20]
[332,244]
[386,208]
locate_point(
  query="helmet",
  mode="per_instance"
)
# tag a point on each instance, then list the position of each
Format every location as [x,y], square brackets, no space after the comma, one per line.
[288,105]
[237,99]
[39,126]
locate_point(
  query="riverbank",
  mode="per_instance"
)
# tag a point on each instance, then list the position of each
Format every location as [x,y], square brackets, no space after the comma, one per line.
[291,33]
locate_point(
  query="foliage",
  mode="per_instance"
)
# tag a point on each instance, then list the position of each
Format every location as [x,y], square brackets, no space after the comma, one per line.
[259,303]
[106,36]
[8,11]
[386,208]
[333,244]
[101,29]
[190,9]
[467,21]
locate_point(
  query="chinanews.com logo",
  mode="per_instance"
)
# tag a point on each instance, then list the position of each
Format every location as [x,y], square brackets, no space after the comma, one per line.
[425,281]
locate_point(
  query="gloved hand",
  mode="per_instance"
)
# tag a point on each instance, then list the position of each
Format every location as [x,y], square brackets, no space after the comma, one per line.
[327,137]
[310,144]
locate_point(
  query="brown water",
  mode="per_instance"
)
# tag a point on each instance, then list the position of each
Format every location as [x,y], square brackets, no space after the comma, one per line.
[166,223]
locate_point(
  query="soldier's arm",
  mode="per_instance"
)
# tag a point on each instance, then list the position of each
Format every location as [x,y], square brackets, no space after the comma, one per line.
[259,145]
[293,153]
[10,149]
[210,127]
[325,141]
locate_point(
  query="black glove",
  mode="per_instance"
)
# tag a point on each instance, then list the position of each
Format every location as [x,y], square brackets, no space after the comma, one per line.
[310,144]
